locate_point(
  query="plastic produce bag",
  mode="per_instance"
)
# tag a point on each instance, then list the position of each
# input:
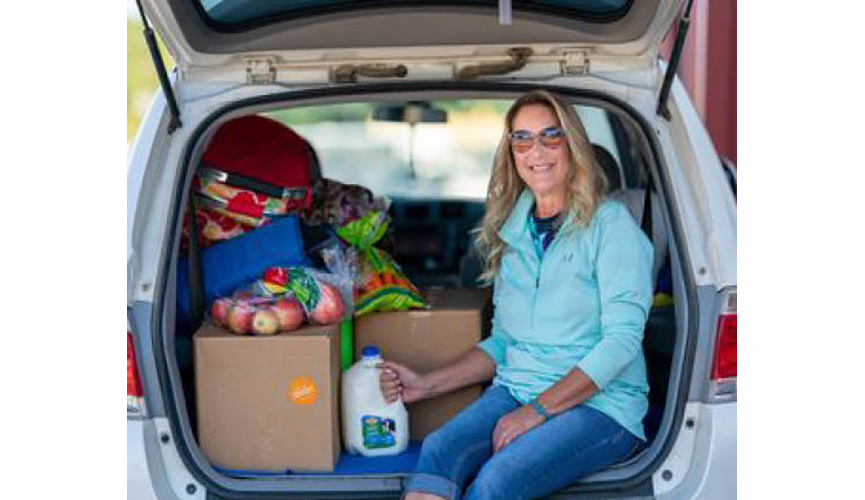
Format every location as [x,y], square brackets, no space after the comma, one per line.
[342,262]
[283,299]
[380,284]
[248,313]
[325,297]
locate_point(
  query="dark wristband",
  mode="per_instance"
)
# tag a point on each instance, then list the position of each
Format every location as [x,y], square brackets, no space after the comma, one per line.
[540,409]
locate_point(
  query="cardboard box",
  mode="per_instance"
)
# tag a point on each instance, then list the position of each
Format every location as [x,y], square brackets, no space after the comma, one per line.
[268,403]
[426,340]
[428,415]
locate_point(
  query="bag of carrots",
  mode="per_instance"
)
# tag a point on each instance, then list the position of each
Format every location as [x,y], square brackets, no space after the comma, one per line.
[381,285]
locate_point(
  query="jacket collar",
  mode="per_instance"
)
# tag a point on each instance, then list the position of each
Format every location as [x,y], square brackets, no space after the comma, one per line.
[516,227]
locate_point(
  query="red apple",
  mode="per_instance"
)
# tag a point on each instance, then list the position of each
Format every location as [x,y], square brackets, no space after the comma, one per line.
[243,295]
[276,275]
[330,307]
[220,309]
[265,322]
[240,318]
[289,314]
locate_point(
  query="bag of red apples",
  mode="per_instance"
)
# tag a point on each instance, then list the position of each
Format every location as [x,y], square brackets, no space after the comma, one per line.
[282,300]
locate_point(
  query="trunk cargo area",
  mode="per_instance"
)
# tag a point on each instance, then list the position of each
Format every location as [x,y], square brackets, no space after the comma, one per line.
[265,410]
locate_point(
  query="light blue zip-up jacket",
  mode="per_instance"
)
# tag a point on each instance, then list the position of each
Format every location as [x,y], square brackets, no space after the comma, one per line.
[583,304]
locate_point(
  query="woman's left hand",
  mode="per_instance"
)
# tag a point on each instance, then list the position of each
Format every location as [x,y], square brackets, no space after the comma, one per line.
[513,425]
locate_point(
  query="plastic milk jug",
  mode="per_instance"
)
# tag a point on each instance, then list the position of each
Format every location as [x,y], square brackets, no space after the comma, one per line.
[370,426]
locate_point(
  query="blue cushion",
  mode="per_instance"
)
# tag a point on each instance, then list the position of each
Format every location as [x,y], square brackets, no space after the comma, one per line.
[350,465]
[229,264]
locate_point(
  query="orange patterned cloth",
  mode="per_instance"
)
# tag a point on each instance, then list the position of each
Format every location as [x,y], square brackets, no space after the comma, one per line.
[224,212]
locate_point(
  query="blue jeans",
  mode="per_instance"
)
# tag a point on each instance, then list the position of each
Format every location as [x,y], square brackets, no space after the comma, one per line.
[544,460]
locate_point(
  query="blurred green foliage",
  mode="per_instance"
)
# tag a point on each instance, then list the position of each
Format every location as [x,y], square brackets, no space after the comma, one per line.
[353,112]
[141,81]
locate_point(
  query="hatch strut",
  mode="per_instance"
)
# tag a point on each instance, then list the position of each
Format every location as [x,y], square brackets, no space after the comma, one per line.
[684,23]
[175,123]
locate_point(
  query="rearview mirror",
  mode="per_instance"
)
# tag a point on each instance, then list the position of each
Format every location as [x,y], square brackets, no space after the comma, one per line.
[412,113]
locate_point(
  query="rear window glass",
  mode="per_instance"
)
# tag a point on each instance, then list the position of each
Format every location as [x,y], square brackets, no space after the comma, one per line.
[446,154]
[234,12]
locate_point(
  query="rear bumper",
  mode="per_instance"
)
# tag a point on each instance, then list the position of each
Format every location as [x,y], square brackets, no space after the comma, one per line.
[712,472]
[154,468]
[139,483]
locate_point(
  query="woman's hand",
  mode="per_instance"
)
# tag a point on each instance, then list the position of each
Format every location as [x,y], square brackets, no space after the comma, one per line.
[513,425]
[397,380]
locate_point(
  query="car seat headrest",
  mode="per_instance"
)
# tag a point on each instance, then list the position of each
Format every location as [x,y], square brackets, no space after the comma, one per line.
[609,166]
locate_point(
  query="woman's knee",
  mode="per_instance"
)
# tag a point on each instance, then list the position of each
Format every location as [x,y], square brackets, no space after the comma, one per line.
[492,483]
[435,444]
[452,455]
[438,449]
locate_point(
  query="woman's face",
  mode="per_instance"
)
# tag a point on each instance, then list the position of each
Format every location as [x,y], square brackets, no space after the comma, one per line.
[542,167]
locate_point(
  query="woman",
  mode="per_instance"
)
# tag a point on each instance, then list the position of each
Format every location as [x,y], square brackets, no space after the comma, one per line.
[572,277]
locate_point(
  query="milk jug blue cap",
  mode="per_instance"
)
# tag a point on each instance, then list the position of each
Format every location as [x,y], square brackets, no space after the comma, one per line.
[371,351]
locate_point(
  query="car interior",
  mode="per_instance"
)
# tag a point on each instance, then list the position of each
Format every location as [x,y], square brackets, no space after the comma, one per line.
[431,165]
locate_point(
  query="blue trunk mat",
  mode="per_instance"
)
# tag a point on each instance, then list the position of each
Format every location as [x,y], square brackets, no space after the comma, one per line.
[348,465]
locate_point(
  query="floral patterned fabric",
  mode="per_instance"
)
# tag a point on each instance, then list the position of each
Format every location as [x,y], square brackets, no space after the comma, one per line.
[224,212]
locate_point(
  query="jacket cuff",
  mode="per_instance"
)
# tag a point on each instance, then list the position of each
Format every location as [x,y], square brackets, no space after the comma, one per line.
[494,348]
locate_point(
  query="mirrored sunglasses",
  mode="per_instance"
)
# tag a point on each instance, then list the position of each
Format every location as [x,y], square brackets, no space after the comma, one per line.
[550,137]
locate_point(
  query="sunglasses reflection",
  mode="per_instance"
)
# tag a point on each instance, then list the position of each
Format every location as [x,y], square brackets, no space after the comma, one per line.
[522,141]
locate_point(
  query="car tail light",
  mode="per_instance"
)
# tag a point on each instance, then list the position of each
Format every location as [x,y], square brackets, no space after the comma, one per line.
[133,382]
[723,374]
[134,389]
[725,348]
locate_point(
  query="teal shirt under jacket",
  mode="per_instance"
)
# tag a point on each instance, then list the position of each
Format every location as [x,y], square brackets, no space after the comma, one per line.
[583,304]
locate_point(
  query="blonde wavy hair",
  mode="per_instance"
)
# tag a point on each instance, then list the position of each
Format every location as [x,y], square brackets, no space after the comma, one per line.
[586,183]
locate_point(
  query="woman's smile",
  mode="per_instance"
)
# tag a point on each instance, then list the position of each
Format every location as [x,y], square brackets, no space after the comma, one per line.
[542,167]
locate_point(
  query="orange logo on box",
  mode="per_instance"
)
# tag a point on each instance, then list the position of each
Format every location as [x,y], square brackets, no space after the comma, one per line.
[302,391]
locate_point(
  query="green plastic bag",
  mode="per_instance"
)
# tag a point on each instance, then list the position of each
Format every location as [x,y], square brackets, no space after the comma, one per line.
[381,285]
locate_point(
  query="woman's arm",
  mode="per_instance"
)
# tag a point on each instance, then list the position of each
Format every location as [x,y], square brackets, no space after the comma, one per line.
[397,380]
[478,365]
[473,368]
[571,390]
[623,266]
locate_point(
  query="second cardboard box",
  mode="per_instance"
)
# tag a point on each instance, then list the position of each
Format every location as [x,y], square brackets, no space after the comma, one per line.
[427,340]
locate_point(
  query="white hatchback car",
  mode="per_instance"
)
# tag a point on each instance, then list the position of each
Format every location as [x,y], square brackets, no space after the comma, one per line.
[325,68]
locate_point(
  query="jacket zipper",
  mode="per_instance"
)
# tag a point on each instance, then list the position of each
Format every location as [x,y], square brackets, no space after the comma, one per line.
[537,290]
[542,258]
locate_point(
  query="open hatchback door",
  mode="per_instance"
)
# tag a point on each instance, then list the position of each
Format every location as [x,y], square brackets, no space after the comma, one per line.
[335,71]
[343,41]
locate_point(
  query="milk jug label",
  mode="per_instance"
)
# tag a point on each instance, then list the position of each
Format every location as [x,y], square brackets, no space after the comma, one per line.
[378,432]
